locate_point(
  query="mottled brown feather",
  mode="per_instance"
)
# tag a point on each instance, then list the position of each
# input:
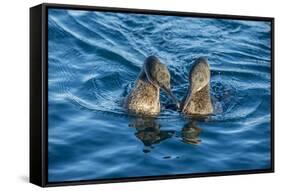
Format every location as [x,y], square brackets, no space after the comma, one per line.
[200,103]
[143,99]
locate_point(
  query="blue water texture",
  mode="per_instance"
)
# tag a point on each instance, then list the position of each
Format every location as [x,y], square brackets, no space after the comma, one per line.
[93,61]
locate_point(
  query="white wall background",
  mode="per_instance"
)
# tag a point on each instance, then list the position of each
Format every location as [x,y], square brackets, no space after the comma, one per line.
[14,88]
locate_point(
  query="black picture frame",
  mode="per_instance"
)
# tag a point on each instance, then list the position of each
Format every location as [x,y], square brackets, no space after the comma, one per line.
[39,93]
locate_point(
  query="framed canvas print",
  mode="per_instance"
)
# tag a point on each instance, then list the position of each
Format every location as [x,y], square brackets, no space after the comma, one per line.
[128,94]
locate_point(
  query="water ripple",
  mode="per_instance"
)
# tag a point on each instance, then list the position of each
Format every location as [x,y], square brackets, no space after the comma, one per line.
[94,59]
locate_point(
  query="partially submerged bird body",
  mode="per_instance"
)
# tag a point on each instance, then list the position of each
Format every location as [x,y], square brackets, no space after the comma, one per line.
[197,101]
[144,99]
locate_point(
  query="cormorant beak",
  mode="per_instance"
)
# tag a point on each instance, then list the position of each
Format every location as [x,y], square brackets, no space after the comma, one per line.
[169,93]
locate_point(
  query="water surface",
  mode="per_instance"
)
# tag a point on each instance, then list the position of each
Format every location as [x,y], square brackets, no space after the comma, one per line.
[94,59]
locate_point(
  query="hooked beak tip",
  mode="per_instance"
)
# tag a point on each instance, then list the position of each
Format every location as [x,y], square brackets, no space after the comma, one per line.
[178,105]
[169,92]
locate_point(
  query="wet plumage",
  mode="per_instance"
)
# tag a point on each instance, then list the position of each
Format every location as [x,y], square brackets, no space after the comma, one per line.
[144,99]
[198,99]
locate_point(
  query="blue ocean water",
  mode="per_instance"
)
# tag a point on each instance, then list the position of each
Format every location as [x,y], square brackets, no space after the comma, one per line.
[93,61]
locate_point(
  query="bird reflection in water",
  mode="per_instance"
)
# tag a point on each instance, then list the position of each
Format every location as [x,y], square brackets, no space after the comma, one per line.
[149,132]
[190,133]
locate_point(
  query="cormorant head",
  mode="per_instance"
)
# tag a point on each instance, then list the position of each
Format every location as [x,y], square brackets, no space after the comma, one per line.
[158,74]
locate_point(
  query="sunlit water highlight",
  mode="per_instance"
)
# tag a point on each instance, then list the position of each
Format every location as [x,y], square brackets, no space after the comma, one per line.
[93,61]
